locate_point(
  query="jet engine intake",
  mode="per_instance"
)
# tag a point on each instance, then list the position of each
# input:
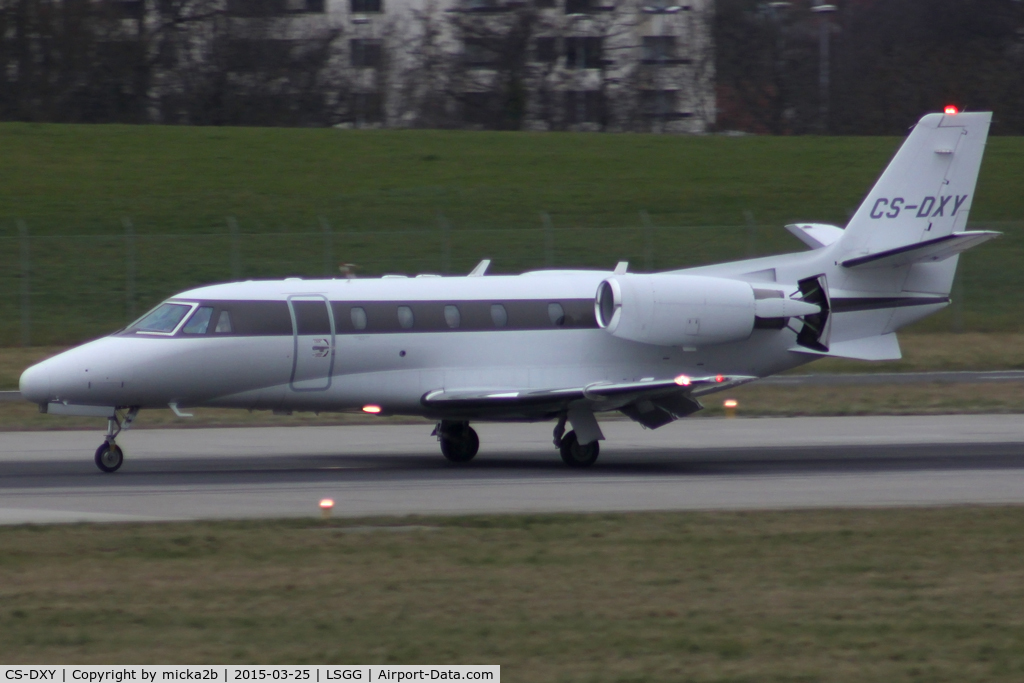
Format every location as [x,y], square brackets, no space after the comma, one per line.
[675,310]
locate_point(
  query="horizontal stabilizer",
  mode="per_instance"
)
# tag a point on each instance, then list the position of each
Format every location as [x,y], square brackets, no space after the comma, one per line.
[882,347]
[815,235]
[938,249]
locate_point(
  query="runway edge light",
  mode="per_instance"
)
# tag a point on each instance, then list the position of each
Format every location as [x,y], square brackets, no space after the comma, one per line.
[326,505]
[730,405]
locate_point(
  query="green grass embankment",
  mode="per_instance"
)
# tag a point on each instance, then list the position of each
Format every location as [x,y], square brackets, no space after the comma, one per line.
[428,201]
[854,595]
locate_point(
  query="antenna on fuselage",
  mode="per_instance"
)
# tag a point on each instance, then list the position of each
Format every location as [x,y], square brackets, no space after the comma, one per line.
[348,270]
[481,268]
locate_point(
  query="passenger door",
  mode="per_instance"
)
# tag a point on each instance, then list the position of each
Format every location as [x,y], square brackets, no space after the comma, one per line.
[313,326]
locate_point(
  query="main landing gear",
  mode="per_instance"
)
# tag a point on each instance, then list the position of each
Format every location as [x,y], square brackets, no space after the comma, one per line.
[459,442]
[109,456]
[574,454]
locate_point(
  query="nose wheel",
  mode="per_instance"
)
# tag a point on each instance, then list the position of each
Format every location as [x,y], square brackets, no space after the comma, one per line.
[109,457]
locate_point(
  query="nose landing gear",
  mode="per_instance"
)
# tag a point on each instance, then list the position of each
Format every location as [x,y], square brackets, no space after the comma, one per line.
[109,456]
[459,441]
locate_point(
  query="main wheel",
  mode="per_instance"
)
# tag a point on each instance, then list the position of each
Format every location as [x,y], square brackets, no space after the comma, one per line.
[460,445]
[109,457]
[575,455]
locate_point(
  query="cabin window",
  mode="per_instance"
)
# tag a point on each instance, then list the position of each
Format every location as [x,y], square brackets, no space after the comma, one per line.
[199,322]
[405,317]
[223,323]
[557,314]
[358,318]
[499,316]
[452,316]
[163,319]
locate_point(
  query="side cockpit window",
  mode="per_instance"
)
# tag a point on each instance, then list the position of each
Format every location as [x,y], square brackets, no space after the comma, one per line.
[223,323]
[163,319]
[199,322]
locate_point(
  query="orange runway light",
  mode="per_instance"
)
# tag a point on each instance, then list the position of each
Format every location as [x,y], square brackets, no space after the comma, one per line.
[372,409]
[730,405]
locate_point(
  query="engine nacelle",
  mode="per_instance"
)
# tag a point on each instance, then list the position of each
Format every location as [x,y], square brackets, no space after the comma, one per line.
[675,310]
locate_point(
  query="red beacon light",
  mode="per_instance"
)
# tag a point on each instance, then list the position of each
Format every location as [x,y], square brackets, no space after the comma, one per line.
[719,378]
[951,110]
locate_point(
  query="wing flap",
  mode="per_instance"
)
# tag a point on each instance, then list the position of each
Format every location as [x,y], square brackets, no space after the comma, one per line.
[601,395]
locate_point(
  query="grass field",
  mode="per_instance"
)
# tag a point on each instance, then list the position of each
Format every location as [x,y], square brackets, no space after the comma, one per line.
[855,595]
[416,201]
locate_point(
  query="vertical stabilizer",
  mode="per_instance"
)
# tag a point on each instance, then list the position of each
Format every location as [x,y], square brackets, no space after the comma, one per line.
[926,191]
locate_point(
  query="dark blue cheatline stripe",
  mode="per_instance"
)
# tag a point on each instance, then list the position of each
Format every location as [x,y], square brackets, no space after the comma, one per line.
[871,303]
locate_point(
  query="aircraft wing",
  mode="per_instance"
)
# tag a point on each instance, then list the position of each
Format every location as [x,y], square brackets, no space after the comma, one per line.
[666,398]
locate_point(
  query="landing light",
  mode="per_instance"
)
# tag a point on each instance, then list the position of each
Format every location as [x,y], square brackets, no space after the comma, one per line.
[950,109]
[372,409]
[683,381]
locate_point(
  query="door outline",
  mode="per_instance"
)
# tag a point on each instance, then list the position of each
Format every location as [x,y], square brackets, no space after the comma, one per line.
[295,341]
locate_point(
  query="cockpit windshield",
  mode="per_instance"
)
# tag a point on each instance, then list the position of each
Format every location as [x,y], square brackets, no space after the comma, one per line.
[163,319]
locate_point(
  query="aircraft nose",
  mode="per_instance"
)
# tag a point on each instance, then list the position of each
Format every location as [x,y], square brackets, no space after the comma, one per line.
[35,383]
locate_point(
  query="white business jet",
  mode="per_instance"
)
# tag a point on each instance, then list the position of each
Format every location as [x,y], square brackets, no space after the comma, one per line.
[558,345]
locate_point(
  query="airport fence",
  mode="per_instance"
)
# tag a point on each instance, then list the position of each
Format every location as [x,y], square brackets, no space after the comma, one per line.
[63,289]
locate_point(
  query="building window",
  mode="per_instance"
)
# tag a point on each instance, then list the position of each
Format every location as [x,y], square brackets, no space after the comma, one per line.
[661,104]
[367,6]
[128,9]
[405,317]
[478,53]
[658,49]
[584,52]
[483,6]
[358,318]
[477,107]
[586,6]
[584,106]
[366,53]
[452,317]
[367,107]
[499,316]
[269,8]
[546,50]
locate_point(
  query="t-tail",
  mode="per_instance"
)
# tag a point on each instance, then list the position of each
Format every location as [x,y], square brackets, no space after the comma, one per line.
[895,261]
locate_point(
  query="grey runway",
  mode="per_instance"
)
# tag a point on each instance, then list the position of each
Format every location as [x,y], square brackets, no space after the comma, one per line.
[702,463]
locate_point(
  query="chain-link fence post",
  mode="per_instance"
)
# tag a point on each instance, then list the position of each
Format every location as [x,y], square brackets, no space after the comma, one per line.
[236,256]
[26,286]
[446,243]
[645,219]
[329,267]
[549,239]
[129,268]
